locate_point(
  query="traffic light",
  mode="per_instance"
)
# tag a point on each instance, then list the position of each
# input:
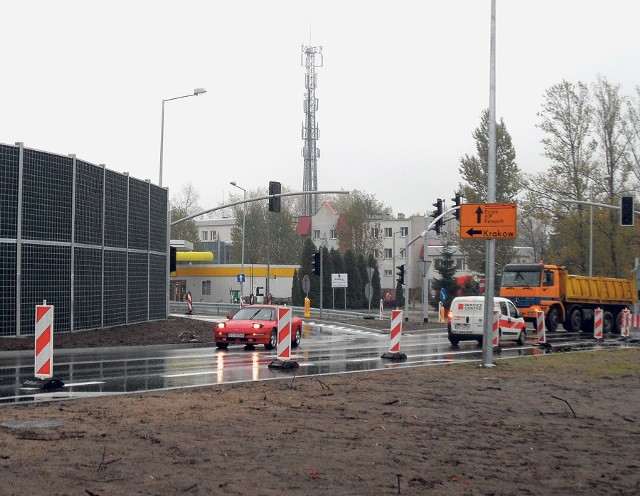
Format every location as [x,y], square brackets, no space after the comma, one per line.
[400,273]
[626,211]
[437,213]
[315,263]
[275,188]
[172,259]
[457,201]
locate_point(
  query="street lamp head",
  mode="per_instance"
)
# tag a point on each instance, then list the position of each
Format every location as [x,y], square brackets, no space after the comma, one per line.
[233,183]
[199,91]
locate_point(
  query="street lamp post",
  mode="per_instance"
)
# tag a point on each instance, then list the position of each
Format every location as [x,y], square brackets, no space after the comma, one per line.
[196,92]
[244,216]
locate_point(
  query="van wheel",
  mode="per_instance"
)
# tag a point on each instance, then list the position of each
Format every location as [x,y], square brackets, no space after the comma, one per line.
[479,341]
[521,338]
[453,340]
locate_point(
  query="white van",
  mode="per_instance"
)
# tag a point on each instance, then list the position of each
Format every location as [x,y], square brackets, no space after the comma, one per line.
[466,316]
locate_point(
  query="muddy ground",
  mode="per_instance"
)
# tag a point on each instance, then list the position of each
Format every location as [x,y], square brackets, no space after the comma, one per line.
[556,424]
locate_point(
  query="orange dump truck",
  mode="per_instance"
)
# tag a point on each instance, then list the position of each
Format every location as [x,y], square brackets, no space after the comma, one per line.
[566,299]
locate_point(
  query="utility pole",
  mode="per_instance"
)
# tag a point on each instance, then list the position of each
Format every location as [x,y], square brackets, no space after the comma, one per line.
[310,152]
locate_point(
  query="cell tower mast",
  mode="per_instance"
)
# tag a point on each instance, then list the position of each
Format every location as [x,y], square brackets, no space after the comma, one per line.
[311,58]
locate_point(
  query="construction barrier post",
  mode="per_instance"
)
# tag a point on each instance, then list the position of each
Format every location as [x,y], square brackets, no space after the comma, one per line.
[496,328]
[283,348]
[381,308]
[396,335]
[189,303]
[307,307]
[542,336]
[597,323]
[625,323]
[43,368]
[441,312]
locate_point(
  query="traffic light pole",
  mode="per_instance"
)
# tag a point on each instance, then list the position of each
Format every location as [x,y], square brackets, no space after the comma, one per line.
[321,285]
[407,271]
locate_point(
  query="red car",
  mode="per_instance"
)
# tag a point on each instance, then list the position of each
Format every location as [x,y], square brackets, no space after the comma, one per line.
[255,324]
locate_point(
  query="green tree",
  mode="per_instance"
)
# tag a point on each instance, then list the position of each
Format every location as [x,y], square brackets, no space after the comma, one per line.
[353,276]
[447,279]
[474,171]
[376,295]
[327,270]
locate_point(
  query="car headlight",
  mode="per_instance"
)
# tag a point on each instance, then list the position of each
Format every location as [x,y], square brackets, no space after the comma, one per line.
[221,325]
[256,325]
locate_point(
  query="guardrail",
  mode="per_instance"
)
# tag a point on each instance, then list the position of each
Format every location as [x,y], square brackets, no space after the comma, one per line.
[223,309]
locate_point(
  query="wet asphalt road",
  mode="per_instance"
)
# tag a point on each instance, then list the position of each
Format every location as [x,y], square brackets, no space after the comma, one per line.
[325,349]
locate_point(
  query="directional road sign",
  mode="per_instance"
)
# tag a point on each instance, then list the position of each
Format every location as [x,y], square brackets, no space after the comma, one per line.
[488,220]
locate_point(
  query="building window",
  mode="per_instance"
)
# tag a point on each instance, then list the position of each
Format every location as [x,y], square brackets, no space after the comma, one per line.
[333,234]
[388,253]
[214,235]
[316,234]
[204,235]
[376,253]
[388,232]
[404,232]
[375,232]
[388,273]
[206,288]
[460,265]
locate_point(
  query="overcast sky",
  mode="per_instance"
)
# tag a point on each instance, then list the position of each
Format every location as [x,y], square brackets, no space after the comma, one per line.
[401,90]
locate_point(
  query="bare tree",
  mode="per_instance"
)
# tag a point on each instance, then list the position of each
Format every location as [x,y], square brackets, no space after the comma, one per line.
[184,204]
[612,168]
[566,119]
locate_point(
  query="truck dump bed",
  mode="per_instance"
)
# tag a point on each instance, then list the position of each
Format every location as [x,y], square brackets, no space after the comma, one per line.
[600,290]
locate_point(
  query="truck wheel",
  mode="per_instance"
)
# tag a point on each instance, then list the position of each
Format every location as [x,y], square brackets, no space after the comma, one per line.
[617,320]
[552,320]
[608,324]
[575,319]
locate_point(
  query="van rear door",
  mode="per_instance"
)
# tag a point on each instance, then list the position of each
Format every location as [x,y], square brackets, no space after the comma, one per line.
[466,317]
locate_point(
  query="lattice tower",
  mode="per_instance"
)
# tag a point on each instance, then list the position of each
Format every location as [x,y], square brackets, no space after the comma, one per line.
[311,58]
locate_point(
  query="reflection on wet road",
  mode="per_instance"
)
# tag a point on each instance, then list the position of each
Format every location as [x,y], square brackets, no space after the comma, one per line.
[325,349]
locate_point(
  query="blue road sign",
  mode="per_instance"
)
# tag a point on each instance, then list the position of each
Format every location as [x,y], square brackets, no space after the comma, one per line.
[240,277]
[443,294]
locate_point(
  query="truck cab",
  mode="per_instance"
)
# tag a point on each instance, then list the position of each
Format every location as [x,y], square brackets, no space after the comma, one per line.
[534,287]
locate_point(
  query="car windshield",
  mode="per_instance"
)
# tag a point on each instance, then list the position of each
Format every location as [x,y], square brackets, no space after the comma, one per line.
[253,313]
[521,278]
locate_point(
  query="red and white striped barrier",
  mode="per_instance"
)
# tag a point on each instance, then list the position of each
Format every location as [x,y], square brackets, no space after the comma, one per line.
[284,333]
[496,328]
[542,330]
[396,331]
[44,341]
[189,303]
[597,323]
[283,348]
[395,337]
[625,323]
